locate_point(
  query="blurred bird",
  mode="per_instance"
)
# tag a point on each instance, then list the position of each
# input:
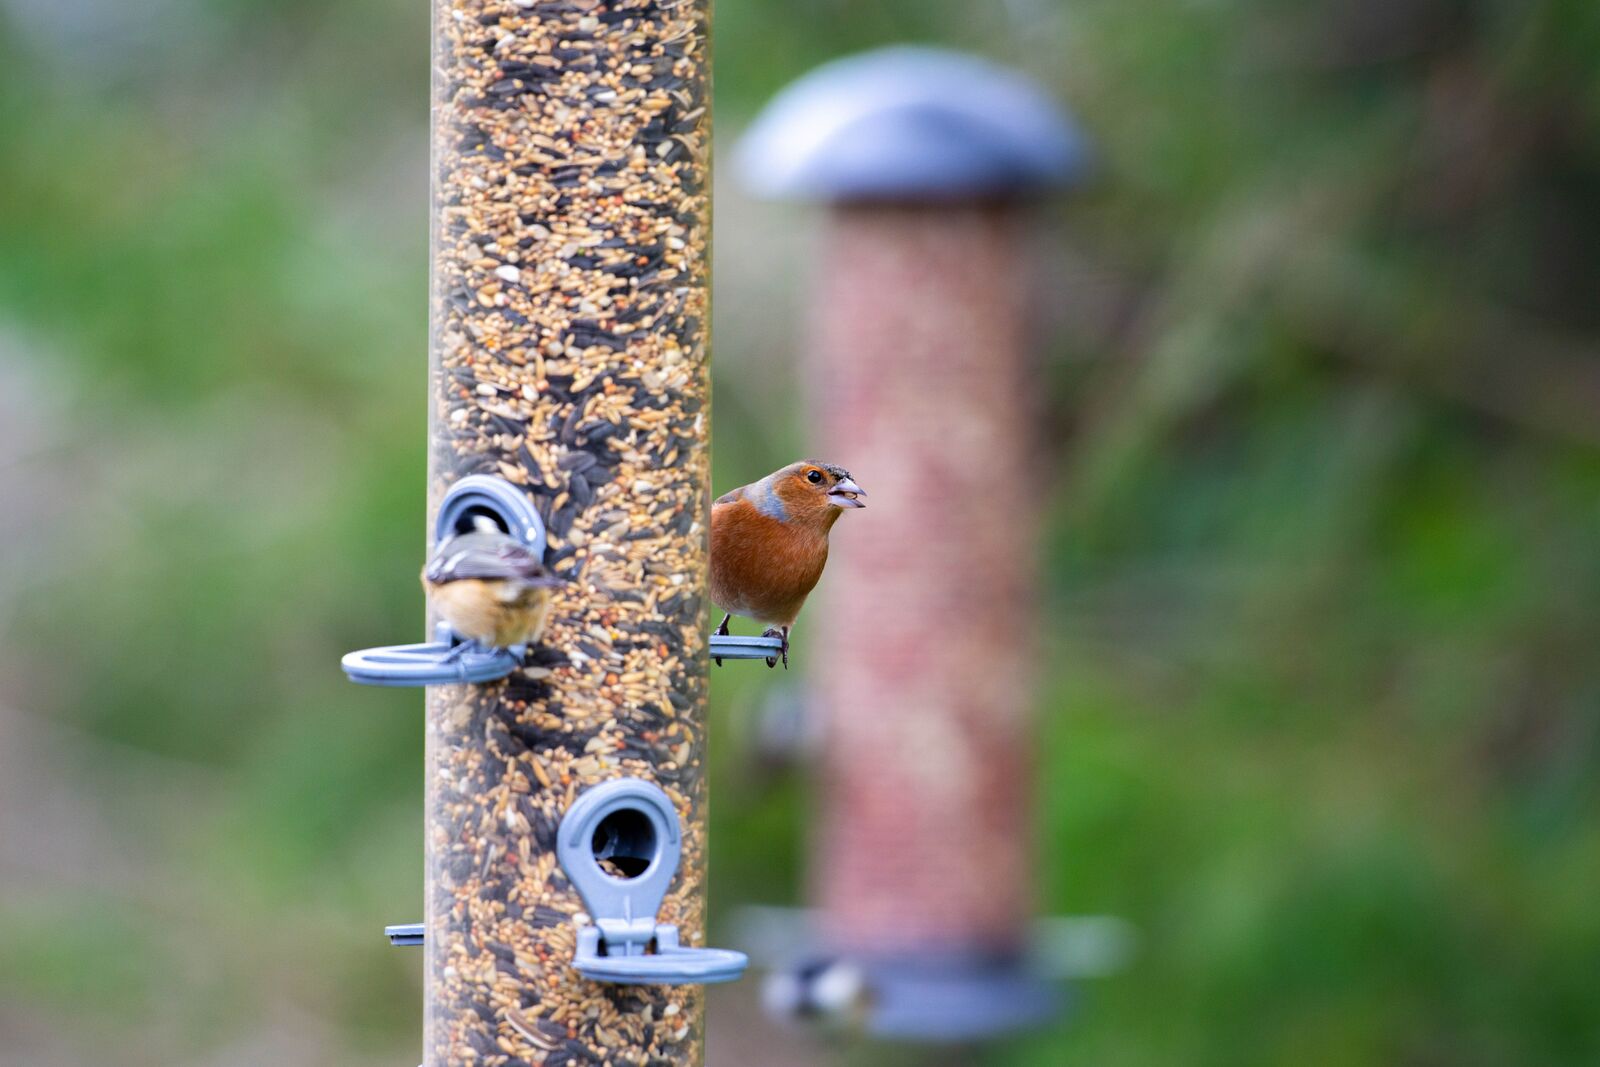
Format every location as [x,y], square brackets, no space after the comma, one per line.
[490,588]
[769,543]
[832,994]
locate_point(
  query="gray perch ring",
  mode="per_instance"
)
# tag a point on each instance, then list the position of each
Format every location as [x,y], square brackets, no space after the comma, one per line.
[438,662]
[910,123]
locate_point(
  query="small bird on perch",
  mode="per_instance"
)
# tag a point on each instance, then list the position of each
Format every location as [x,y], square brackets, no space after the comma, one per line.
[833,994]
[769,543]
[490,588]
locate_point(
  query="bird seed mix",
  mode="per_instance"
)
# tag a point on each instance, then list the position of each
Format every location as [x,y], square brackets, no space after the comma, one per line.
[569,304]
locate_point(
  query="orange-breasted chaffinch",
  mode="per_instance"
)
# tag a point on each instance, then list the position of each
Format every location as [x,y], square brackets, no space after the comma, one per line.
[769,543]
[490,588]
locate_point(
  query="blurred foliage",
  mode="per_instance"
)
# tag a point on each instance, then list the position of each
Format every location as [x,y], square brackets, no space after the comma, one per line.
[1322,710]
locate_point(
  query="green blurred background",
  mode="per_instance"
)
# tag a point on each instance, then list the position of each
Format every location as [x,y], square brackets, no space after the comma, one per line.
[1322,347]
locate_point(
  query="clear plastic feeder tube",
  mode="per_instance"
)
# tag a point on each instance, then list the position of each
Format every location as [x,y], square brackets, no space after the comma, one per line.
[570,229]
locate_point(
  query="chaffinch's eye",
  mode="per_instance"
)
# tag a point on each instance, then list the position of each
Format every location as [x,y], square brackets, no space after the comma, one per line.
[814,477]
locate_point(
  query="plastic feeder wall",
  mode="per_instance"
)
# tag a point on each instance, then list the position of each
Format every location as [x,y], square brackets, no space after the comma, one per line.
[568,340]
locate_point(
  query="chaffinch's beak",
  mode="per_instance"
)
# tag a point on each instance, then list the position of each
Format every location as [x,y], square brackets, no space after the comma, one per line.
[847,494]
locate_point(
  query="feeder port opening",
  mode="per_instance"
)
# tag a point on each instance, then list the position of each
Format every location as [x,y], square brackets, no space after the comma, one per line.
[625,844]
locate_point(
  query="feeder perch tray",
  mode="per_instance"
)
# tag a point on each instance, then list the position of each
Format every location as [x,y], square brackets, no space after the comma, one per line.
[430,663]
[442,662]
[958,999]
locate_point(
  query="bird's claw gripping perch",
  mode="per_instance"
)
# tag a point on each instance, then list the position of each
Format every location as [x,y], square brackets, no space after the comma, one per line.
[774,631]
[721,631]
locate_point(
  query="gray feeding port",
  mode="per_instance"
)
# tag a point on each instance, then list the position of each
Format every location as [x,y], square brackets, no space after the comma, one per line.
[439,662]
[619,845]
[910,123]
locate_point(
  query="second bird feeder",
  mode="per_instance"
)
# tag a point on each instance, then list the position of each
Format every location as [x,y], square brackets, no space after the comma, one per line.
[919,345]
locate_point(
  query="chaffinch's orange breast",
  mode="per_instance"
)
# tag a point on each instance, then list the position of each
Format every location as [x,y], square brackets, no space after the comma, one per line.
[763,567]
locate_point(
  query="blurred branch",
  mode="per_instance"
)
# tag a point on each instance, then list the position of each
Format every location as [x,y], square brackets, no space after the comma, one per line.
[1451,347]
[1191,342]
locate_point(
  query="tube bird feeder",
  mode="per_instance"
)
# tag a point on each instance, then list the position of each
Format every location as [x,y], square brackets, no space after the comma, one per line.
[565,821]
[919,347]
